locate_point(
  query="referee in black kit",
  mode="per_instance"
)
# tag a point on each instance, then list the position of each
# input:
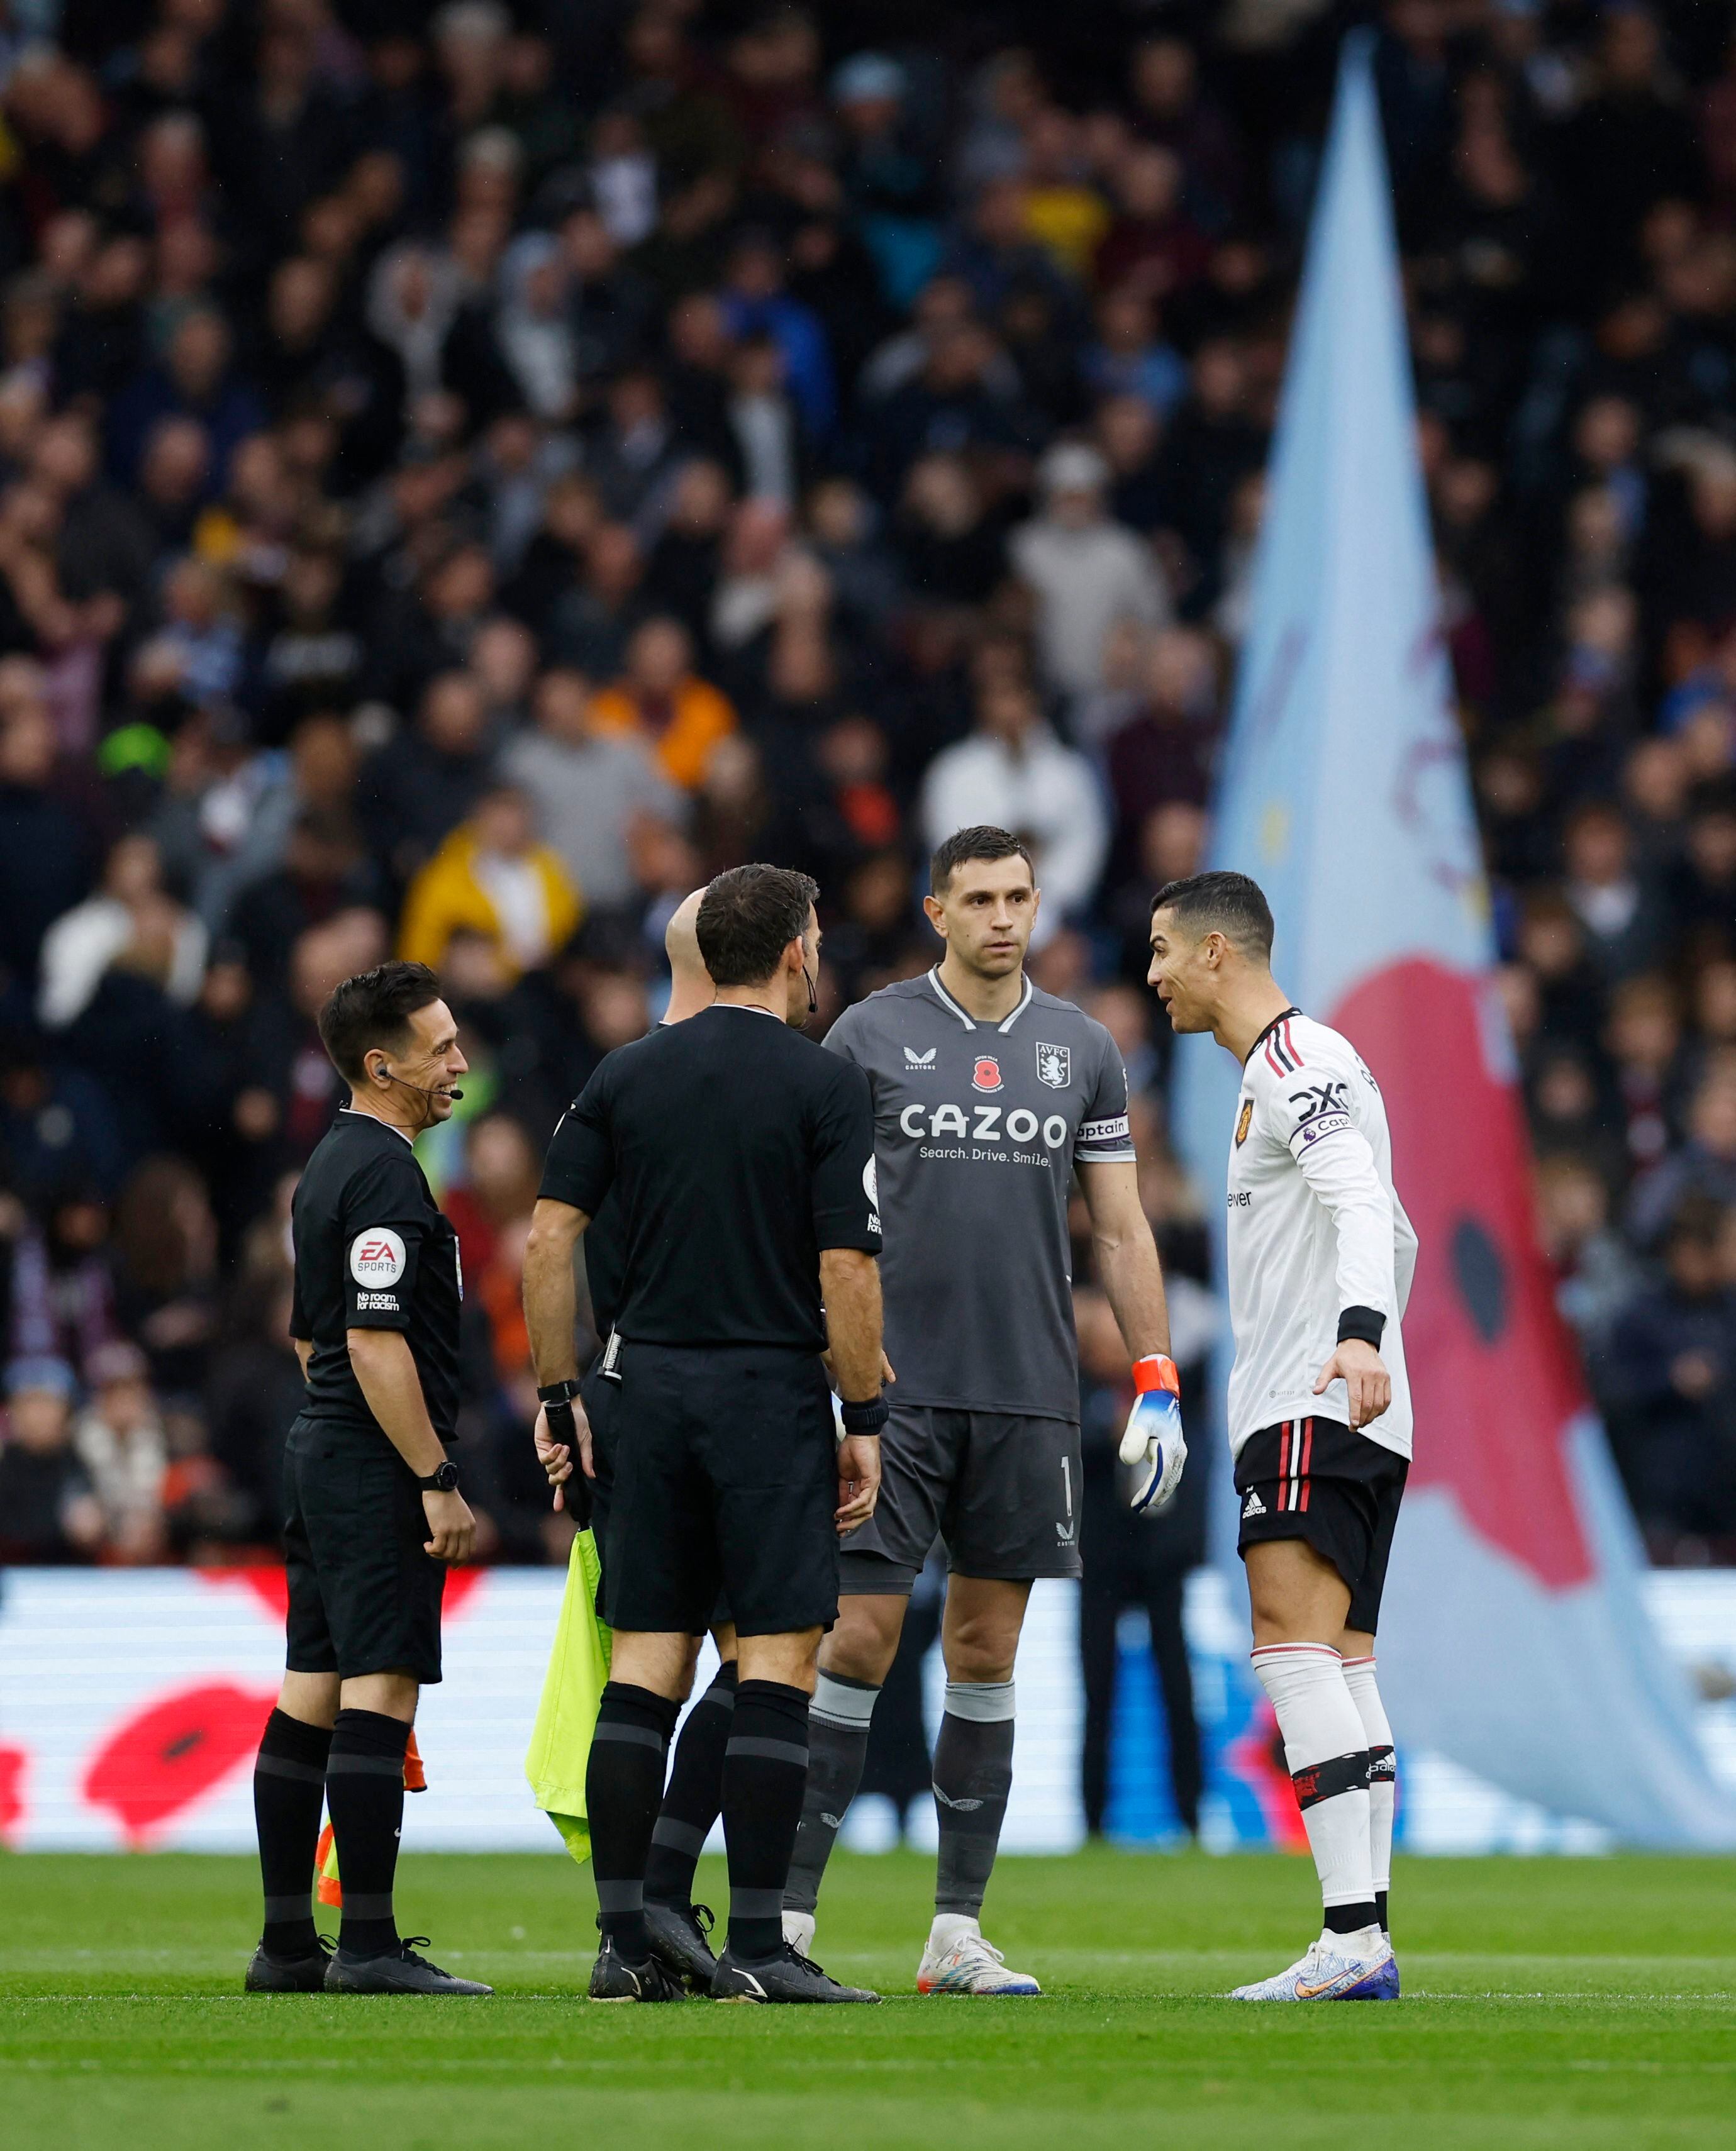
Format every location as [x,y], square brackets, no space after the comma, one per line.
[372,1509]
[741,1156]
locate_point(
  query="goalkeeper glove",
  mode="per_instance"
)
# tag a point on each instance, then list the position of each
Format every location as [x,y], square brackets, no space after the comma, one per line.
[1153,1436]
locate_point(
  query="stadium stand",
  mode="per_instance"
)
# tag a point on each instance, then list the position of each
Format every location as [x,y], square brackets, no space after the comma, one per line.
[467,475]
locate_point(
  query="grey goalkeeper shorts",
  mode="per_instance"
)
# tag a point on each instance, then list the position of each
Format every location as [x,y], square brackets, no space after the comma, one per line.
[1000,1489]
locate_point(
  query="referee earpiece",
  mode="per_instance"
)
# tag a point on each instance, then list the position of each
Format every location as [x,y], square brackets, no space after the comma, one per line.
[382,1073]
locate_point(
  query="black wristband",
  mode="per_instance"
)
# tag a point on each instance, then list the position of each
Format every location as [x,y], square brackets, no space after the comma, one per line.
[558,1419]
[1366,1324]
[558,1393]
[868,1417]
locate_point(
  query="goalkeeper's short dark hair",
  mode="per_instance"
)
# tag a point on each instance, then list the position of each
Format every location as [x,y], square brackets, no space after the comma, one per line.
[981,841]
[1232,905]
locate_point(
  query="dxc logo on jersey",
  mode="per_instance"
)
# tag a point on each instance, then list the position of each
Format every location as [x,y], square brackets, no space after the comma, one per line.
[986,1074]
[1318,1098]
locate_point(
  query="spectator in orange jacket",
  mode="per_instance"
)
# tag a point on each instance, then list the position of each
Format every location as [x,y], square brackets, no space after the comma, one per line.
[491,877]
[660,698]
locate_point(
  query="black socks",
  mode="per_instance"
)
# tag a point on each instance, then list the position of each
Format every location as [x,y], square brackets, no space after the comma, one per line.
[365,1792]
[623,1786]
[744,1748]
[973,1776]
[289,1790]
[695,1797]
[765,1768]
[838,1744]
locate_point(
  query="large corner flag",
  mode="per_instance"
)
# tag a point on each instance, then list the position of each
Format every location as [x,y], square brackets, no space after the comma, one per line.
[1513,1640]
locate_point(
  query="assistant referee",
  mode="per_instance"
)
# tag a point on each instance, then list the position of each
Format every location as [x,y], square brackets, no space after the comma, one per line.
[741,1157]
[372,1509]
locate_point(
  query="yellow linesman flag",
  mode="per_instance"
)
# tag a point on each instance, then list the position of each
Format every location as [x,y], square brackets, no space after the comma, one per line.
[572,1688]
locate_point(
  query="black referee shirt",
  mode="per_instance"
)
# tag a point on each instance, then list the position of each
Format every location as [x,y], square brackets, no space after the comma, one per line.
[605,1237]
[373,1251]
[737,1150]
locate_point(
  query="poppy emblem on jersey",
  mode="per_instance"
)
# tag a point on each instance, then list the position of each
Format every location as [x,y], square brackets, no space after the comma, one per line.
[1054,1066]
[1243,1120]
[986,1074]
[377,1257]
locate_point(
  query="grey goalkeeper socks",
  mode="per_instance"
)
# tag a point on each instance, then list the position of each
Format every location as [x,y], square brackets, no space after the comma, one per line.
[837,1737]
[973,1776]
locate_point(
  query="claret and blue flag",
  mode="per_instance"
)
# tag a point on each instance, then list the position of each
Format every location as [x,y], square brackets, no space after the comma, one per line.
[1513,1639]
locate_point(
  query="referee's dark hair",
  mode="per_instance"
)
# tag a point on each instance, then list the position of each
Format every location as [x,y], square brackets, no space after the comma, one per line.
[1221,902]
[373,1009]
[981,841]
[748,917]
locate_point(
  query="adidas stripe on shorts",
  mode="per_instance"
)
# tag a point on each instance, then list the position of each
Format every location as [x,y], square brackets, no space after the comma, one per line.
[1313,1479]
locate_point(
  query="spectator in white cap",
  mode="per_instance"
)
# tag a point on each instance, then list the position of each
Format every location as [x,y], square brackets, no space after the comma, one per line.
[1088,570]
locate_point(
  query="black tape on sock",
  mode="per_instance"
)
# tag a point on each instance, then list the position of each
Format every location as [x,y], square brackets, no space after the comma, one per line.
[1325,1781]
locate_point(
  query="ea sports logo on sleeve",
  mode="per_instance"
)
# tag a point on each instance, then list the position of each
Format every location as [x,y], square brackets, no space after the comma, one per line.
[377,1257]
[986,1074]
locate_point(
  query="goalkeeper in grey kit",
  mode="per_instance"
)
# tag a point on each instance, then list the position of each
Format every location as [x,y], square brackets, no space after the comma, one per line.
[988,1094]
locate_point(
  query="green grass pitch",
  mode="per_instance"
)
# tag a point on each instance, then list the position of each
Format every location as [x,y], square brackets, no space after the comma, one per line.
[1589,2003]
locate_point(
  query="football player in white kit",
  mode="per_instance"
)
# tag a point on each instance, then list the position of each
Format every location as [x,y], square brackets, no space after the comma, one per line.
[1320,1257]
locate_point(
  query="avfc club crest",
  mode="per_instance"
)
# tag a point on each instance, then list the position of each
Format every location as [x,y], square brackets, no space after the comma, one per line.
[986,1074]
[1054,1066]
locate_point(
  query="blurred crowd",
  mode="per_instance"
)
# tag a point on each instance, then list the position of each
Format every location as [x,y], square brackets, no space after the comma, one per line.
[467,474]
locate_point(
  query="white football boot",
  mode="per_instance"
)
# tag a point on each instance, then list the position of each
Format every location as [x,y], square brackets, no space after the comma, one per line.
[1359,1967]
[958,1960]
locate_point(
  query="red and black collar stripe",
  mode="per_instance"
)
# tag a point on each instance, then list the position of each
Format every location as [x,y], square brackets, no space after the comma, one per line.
[1279,1048]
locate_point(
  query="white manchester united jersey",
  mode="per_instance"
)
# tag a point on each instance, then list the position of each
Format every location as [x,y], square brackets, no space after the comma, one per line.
[1315,1226]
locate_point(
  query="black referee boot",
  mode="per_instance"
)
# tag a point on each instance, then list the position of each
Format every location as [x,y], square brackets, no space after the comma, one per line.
[287,1974]
[613,1979]
[678,1936]
[788,1976]
[400,1970]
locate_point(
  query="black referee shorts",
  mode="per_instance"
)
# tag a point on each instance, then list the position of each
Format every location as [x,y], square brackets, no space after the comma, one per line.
[363,1596]
[1314,1479]
[601,1398]
[725,1476]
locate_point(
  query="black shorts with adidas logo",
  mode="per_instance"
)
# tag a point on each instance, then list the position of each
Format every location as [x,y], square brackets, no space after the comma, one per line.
[1314,1479]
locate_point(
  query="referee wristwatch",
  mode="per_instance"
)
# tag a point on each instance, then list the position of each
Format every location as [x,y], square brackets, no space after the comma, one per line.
[443,1479]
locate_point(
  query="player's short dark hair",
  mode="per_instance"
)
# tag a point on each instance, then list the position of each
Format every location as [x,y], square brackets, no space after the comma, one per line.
[981,841]
[372,1009]
[747,916]
[1232,905]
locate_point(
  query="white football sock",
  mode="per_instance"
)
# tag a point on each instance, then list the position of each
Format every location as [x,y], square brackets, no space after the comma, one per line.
[1327,1750]
[1383,1775]
[950,1927]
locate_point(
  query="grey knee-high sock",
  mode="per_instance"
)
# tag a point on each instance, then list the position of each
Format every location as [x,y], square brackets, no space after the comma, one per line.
[837,1738]
[973,1776]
